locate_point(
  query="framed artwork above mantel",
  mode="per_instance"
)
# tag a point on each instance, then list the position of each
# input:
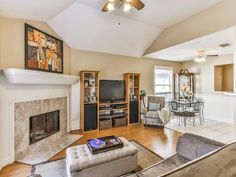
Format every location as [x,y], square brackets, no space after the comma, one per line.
[43,52]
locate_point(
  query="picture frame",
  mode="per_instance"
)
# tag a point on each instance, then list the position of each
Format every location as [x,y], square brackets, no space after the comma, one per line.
[43,52]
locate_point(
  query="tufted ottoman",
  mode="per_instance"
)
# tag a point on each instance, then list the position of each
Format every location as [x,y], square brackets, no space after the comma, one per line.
[80,162]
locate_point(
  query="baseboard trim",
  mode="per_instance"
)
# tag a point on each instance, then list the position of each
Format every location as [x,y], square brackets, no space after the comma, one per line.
[5,162]
[76,131]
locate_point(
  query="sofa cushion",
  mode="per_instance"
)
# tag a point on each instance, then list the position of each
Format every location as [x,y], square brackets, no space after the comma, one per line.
[189,148]
[201,139]
[163,166]
[80,157]
[186,148]
[204,148]
[193,146]
[130,175]
[219,163]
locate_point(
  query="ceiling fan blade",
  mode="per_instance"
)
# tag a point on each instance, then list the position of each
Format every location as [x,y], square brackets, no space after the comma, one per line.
[212,55]
[137,4]
[105,8]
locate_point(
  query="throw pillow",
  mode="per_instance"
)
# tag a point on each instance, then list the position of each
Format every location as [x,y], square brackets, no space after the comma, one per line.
[154,106]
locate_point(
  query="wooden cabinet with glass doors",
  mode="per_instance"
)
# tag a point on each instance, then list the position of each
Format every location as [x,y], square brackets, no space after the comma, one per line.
[183,85]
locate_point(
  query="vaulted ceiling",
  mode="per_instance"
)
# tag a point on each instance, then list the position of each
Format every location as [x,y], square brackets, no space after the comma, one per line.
[210,43]
[82,25]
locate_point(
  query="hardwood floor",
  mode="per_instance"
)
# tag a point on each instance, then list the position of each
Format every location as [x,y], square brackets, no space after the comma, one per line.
[161,141]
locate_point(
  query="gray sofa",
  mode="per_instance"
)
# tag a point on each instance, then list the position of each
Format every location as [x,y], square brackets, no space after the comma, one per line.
[190,149]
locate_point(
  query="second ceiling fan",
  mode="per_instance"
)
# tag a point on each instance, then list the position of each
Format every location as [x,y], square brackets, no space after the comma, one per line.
[128,4]
[202,55]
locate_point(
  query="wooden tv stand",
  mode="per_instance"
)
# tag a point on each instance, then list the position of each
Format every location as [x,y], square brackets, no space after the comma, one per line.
[114,114]
[94,116]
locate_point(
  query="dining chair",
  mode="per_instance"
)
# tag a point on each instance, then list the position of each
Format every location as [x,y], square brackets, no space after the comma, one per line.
[201,109]
[175,108]
[195,109]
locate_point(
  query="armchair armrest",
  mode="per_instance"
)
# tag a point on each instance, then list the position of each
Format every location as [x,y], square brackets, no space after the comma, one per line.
[145,110]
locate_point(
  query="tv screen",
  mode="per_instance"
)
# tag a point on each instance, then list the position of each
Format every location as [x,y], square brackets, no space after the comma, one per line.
[112,90]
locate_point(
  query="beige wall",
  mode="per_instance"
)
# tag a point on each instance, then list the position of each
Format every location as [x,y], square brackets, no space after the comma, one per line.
[204,72]
[219,106]
[228,79]
[12,48]
[223,77]
[213,19]
[113,66]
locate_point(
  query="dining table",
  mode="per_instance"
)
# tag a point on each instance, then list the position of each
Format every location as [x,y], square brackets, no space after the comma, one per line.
[188,108]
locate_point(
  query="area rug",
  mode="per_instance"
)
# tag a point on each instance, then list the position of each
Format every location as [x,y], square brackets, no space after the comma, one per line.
[146,157]
[57,168]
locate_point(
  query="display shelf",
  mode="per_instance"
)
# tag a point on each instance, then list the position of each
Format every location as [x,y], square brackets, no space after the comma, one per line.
[115,109]
[132,93]
[112,116]
[89,93]
[113,103]
[90,102]
[90,87]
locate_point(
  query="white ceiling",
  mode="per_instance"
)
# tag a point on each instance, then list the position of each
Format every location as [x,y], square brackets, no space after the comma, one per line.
[41,10]
[95,31]
[82,25]
[210,43]
[160,13]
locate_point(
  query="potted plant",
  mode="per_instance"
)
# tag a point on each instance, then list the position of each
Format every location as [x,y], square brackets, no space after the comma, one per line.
[143,94]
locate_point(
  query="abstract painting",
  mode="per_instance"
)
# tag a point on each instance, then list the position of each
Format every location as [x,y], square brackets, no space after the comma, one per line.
[43,52]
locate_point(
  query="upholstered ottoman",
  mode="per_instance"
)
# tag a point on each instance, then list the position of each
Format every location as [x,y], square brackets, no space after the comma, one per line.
[80,162]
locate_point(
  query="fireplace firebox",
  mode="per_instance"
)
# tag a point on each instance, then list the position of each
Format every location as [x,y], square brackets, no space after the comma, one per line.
[44,125]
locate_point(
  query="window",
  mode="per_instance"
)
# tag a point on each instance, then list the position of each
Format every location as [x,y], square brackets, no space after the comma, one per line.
[163,81]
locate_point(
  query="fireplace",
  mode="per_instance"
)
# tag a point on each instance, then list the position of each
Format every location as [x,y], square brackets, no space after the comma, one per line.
[44,125]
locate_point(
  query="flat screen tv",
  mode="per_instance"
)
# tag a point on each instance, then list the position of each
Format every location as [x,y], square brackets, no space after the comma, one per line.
[111,90]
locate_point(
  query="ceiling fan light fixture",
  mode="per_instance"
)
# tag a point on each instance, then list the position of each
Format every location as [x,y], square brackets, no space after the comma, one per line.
[197,60]
[127,7]
[200,59]
[111,6]
[203,59]
[201,56]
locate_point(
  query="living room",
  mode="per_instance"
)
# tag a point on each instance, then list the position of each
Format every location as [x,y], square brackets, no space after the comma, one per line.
[158,86]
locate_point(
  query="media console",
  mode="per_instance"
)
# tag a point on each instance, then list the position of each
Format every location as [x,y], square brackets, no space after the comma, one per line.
[100,107]
[113,115]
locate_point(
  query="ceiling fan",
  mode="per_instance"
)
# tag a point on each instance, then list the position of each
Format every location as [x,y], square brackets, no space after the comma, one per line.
[128,4]
[201,56]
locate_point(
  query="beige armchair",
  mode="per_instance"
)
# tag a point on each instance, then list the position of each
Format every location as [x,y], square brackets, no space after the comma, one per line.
[153,117]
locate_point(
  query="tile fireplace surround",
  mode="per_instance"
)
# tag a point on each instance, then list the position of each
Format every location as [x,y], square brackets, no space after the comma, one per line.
[26,93]
[48,147]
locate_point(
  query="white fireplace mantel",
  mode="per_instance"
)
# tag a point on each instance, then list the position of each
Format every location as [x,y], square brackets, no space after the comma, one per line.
[22,76]
[20,85]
